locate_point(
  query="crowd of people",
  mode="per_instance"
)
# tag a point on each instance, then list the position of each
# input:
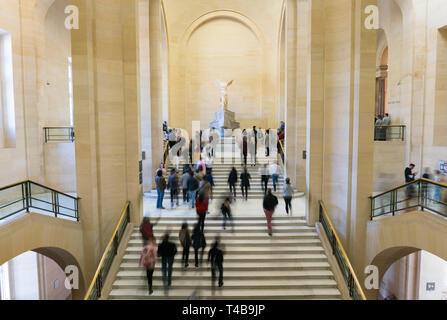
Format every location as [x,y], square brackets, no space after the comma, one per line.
[196,184]
[432,191]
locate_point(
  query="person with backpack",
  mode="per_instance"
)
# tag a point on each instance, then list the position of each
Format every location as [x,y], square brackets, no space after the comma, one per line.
[215,256]
[148,260]
[232,180]
[160,182]
[202,209]
[226,213]
[193,186]
[185,241]
[173,186]
[198,242]
[245,183]
[269,204]
[167,250]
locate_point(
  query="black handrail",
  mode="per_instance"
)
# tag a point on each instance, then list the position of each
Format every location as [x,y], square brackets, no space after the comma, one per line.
[97,284]
[389,133]
[23,196]
[420,194]
[59,134]
[354,287]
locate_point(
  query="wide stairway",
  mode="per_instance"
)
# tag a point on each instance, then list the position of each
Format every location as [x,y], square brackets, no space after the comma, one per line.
[227,156]
[290,265]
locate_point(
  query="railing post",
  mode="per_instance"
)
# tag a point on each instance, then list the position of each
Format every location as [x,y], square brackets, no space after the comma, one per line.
[115,244]
[28,195]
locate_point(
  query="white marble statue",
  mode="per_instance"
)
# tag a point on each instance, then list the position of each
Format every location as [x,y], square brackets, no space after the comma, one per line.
[223,93]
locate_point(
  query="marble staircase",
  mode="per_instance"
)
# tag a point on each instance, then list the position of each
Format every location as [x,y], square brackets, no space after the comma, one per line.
[290,265]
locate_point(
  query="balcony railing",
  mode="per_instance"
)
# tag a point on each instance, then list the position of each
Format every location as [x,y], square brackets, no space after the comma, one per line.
[421,194]
[353,284]
[25,195]
[97,284]
[59,134]
[389,133]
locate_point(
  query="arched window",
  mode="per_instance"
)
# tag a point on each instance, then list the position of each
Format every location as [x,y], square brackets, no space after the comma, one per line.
[7,114]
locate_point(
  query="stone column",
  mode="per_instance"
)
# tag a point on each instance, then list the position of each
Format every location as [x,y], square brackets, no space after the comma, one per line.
[155,38]
[315,112]
[363,135]
[291,103]
[107,120]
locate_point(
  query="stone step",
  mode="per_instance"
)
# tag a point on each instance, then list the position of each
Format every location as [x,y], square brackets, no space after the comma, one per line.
[246,250]
[191,274]
[308,245]
[280,240]
[229,294]
[204,283]
[245,266]
[237,257]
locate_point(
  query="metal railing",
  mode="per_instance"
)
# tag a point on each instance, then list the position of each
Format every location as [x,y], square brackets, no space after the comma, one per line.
[59,134]
[281,152]
[165,153]
[25,195]
[389,133]
[423,194]
[94,291]
[355,290]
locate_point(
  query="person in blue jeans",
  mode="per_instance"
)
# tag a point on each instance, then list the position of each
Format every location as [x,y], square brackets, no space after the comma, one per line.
[193,186]
[160,182]
[167,251]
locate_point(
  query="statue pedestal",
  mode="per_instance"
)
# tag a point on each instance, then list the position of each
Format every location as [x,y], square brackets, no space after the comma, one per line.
[225,119]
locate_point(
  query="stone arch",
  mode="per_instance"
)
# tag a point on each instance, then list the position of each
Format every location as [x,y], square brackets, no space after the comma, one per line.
[58,239]
[219,14]
[399,236]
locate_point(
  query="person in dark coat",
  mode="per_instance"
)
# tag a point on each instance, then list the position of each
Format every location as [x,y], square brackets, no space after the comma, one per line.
[185,241]
[232,180]
[167,251]
[174,186]
[198,242]
[215,256]
[245,183]
[193,186]
[269,204]
[245,149]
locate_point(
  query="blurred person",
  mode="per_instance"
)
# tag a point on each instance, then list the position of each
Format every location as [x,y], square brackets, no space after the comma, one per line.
[226,213]
[193,186]
[437,190]
[185,241]
[269,204]
[267,143]
[167,250]
[160,182]
[288,196]
[202,209]
[215,256]
[185,177]
[232,180]
[255,135]
[210,179]
[198,242]
[146,229]
[274,170]
[410,176]
[244,149]
[173,186]
[265,177]
[245,183]
[148,259]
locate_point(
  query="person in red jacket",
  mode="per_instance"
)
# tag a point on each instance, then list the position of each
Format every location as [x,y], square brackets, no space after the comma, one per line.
[202,209]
